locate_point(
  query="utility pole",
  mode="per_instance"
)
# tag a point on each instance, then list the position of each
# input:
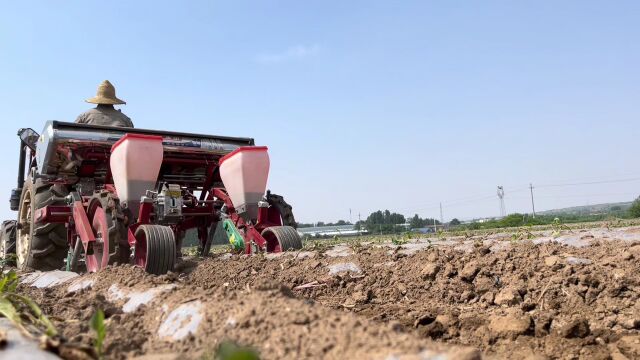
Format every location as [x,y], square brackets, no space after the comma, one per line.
[501,197]
[533,205]
[441,217]
[350,220]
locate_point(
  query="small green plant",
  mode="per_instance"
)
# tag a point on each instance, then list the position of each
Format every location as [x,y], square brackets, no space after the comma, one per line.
[355,245]
[229,350]
[20,309]
[398,241]
[98,326]
[557,226]
[522,234]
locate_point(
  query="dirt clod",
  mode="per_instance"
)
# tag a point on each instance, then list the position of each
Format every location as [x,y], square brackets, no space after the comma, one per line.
[429,271]
[508,296]
[469,272]
[511,325]
[578,328]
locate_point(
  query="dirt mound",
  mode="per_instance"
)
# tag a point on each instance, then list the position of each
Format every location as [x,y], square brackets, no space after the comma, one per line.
[546,299]
[506,299]
[146,315]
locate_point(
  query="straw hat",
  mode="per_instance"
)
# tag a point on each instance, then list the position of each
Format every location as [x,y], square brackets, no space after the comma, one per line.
[106,95]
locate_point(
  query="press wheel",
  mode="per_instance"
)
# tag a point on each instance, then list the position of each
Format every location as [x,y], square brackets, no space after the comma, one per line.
[155,248]
[282,238]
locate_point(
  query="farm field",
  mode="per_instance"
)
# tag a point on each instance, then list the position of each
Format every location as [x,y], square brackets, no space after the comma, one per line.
[537,293]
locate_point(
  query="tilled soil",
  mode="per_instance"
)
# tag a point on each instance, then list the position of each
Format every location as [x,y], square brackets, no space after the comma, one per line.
[516,300]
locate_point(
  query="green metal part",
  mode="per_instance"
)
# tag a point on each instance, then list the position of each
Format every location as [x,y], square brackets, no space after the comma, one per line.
[235,238]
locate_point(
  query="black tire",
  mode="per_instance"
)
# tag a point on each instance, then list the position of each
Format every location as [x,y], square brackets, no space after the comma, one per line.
[8,242]
[285,210]
[43,246]
[286,236]
[160,247]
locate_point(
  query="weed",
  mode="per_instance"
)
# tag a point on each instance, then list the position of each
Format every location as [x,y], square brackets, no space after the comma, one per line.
[20,309]
[355,245]
[398,241]
[522,234]
[228,350]
[98,326]
[557,227]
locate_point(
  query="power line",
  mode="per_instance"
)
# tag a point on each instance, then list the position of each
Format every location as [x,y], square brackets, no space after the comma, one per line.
[589,183]
[471,199]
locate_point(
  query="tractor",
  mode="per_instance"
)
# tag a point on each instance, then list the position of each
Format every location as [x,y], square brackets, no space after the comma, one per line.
[90,196]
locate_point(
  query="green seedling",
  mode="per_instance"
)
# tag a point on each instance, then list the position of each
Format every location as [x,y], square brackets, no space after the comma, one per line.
[355,245]
[230,351]
[522,234]
[21,310]
[557,227]
[98,326]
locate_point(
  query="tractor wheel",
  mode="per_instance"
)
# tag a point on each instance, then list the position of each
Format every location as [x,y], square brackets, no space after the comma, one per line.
[285,210]
[8,242]
[118,240]
[155,249]
[282,238]
[40,246]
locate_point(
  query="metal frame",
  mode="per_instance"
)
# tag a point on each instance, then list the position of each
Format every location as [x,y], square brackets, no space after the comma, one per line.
[201,213]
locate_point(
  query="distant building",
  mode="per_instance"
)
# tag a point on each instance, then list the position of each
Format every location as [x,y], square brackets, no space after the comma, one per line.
[329,231]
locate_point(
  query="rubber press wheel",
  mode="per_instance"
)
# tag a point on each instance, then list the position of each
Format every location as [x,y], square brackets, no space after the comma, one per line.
[282,238]
[155,249]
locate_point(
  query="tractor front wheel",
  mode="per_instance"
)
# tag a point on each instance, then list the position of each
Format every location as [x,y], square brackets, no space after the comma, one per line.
[40,246]
[282,238]
[155,249]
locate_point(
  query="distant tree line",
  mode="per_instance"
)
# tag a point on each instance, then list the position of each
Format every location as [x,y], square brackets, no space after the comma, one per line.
[383,222]
[417,222]
[634,210]
[388,222]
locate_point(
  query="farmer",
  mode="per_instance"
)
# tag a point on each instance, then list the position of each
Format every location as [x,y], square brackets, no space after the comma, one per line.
[105,114]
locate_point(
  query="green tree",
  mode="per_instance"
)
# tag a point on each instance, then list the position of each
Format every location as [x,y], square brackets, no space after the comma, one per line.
[454,222]
[634,210]
[384,222]
[416,222]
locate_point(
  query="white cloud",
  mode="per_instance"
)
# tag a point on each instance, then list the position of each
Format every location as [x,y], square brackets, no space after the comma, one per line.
[292,53]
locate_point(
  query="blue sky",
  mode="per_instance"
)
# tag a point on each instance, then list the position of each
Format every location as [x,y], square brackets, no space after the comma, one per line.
[364,104]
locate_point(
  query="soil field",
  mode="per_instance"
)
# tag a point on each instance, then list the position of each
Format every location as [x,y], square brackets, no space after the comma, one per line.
[569,296]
